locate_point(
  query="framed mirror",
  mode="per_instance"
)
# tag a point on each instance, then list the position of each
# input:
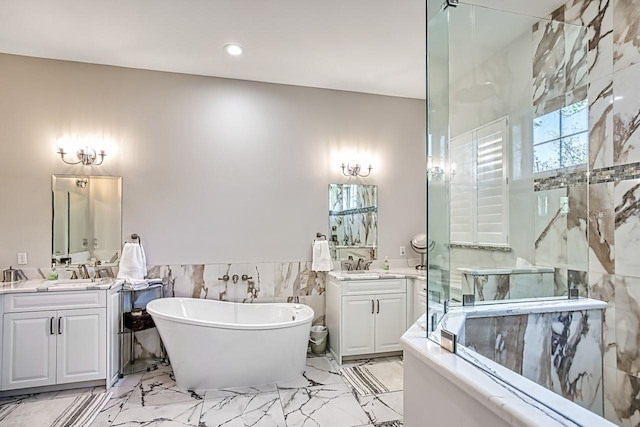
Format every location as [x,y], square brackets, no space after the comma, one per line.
[86,218]
[353,221]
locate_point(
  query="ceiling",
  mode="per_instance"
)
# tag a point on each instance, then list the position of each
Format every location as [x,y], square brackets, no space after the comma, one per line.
[371,46]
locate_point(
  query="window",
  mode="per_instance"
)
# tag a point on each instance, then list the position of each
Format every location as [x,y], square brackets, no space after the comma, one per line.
[479,188]
[561,138]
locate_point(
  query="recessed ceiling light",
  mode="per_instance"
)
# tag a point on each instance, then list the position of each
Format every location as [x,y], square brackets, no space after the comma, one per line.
[233,49]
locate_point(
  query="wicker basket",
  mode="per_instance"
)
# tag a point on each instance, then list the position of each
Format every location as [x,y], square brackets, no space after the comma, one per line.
[138,323]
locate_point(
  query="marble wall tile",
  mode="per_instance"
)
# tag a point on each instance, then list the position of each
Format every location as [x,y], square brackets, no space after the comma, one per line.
[601,228]
[480,336]
[531,285]
[626,116]
[610,391]
[627,318]
[627,227]
[602,287]
[549,83]
[626,40]
[537,349]
[550,228]
[560,280]
[577,241]
[509,341]
[597,17]
[626,401]
[490,287]
[576,355]
[579,280]
[258,285]
[601,123]
[297,279]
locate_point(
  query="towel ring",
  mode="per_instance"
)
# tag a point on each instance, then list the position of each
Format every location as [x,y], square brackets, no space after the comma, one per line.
[135,236]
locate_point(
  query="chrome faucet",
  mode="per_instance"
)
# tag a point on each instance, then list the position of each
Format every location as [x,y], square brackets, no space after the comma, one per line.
[84,273]
[101,272]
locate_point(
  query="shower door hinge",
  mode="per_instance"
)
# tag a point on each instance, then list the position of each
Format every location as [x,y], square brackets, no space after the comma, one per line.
[447,3]
[448,340]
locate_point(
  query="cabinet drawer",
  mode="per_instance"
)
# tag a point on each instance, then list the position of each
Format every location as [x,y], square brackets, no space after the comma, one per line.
[364,287]
[39,301]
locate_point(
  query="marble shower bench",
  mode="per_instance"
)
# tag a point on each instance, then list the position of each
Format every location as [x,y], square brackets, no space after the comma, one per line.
[489,284]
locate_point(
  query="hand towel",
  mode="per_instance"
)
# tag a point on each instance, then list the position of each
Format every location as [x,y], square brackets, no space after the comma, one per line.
[133,262]
[321,256]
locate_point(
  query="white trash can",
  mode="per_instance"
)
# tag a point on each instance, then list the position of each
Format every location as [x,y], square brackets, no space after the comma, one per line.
[318,339]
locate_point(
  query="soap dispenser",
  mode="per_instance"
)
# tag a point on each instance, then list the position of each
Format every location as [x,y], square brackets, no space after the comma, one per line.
[53,273]
[386,263]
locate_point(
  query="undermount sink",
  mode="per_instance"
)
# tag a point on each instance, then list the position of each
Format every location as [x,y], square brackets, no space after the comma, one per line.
[72,282]
[362,274]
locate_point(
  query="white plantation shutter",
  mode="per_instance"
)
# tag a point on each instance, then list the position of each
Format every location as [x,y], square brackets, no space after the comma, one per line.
[492,183]
[479,189]
[463,201]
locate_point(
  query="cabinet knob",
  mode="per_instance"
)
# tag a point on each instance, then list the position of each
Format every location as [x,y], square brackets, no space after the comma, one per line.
[51,326]
[59,325]
[372,306]
[378,311]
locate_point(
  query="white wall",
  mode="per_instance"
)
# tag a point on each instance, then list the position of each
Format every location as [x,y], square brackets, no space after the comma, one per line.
[214,170]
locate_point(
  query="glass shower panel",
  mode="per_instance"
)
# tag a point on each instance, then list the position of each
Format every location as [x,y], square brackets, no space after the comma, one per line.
[511,228]
[517,131]
[438,170]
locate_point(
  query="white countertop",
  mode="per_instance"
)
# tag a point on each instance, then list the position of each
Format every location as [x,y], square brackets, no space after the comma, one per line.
[476,271]
[376,274]
[42,285]
[510,396]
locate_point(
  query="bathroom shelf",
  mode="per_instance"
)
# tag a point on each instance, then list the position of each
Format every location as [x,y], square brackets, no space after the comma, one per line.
[130,324]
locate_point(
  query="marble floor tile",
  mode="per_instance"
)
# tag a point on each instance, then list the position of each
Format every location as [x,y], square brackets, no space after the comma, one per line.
[330,405]
[159,388]
[261,409]
[230,392]
[319,371]
[113,407]
[165,415]
[382,407]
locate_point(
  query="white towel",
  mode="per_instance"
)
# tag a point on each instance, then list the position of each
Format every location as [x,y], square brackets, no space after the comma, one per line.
[321,256]
[133,262]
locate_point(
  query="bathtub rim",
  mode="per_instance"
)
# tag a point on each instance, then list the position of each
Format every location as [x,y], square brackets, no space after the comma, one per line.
[234,326]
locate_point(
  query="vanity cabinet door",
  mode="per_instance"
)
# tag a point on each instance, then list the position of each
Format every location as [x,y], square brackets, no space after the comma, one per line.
[358,335]
[391,321]
[82,345]
[29,350]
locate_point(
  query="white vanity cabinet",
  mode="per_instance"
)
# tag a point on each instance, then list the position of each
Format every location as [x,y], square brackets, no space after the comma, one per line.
[365,316]
[419,300]
[53,338]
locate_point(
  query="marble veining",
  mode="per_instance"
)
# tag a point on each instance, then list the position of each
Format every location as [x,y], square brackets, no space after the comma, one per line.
[561,349]
[601,228]
[265,282]
[627,227]
[601,123]
[626,116]
[597,17]
[626,40]
[323,399]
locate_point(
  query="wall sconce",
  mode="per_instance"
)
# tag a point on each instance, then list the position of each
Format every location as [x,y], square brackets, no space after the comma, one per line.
[438,173]
[87,156]
[354,170]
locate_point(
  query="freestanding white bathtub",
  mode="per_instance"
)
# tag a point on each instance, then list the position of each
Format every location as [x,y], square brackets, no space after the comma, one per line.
[217,344]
